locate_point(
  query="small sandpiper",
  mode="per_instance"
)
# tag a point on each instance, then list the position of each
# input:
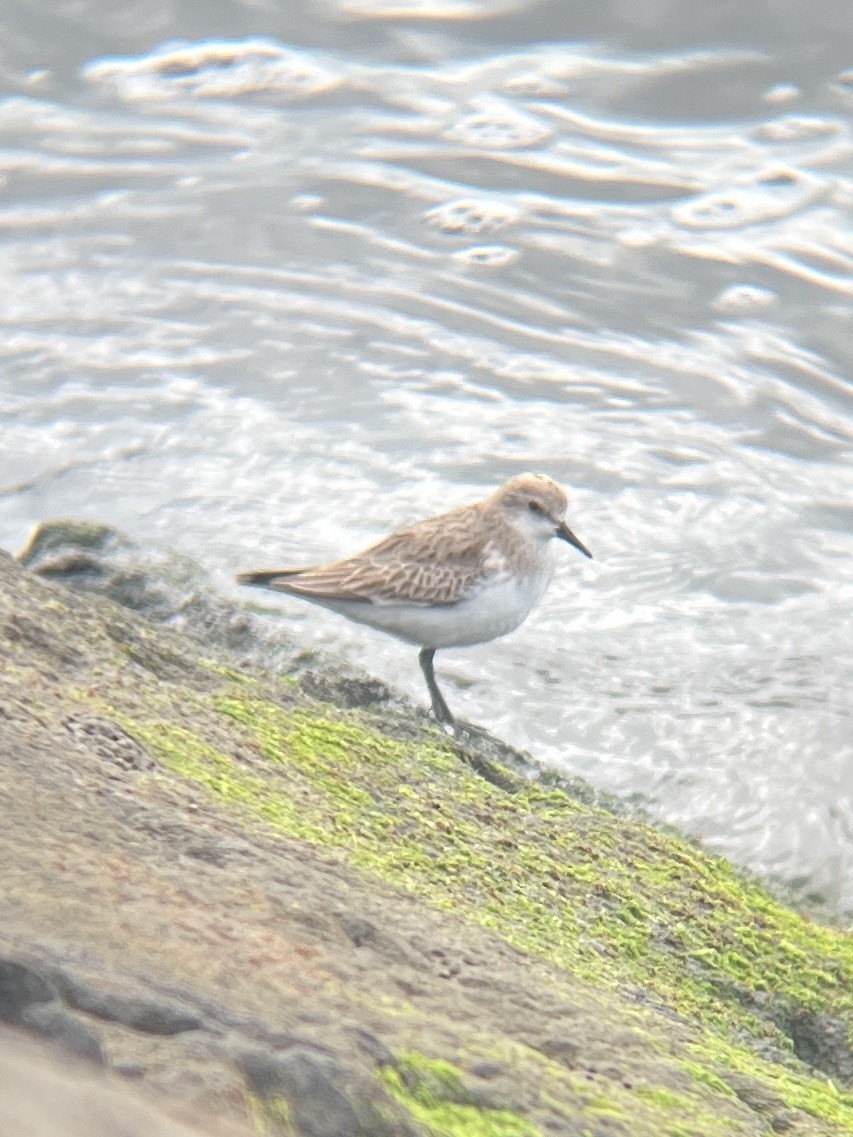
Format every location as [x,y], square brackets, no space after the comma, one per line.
[464,577]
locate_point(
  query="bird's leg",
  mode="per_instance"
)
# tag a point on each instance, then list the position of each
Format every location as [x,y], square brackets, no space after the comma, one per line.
[439,708]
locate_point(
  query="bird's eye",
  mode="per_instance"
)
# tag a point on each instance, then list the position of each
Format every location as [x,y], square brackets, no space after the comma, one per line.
[535,507]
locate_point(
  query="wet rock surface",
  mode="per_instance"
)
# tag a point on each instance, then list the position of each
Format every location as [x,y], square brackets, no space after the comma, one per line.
[213,926]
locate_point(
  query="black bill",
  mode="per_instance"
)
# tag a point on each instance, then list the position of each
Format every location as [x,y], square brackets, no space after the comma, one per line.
[565,534]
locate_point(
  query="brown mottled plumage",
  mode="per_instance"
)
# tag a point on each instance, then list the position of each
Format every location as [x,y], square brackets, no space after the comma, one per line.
[463,577]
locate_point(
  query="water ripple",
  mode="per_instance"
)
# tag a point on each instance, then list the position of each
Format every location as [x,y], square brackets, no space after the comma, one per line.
[267,300]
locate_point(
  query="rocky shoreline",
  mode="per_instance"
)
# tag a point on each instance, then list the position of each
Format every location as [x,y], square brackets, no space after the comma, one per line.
[275,899]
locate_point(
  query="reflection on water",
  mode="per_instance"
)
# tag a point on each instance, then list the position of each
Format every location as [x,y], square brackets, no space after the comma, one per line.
[264,300]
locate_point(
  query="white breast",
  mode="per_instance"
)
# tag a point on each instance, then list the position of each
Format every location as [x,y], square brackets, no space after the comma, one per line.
[492,610]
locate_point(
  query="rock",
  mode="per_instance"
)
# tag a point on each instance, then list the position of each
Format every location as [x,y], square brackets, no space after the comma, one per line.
[110,743]
[51,1021]
[364,933]
[309,1082]
[144,1015]
[21,987]
[43,1095]
[262,1071]
[487,1070]
[130,1069]
[372,1046]
[172,589]
[565,1050]
[29,1000]
[97,558]
[824,1042]
[378,917]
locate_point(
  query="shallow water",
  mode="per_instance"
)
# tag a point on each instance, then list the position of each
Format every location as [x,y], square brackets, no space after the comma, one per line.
[269,294]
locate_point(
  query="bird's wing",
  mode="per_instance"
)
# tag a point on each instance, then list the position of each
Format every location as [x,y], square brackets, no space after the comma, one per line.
[425,564]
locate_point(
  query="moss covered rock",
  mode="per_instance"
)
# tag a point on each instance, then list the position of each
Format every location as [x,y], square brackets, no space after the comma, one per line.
[447,944]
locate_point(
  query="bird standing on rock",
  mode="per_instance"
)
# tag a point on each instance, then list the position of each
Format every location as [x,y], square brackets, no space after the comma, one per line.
[463,577]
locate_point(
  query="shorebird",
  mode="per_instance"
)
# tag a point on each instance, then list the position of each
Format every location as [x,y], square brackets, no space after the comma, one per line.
[463,577]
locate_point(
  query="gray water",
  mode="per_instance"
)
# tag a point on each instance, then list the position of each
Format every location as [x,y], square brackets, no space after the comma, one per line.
[318,271]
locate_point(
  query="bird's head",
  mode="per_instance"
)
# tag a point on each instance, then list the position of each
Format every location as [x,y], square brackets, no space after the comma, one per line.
[536,506]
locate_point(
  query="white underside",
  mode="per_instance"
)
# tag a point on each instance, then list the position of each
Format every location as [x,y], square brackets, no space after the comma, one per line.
[492,611]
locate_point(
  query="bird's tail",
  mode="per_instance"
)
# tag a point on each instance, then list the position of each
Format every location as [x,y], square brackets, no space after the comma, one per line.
[266,578]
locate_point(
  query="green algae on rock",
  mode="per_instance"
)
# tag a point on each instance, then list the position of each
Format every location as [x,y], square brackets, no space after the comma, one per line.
[519,960]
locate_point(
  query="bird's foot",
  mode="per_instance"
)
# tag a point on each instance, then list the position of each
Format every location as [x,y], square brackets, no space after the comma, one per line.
[449,727]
